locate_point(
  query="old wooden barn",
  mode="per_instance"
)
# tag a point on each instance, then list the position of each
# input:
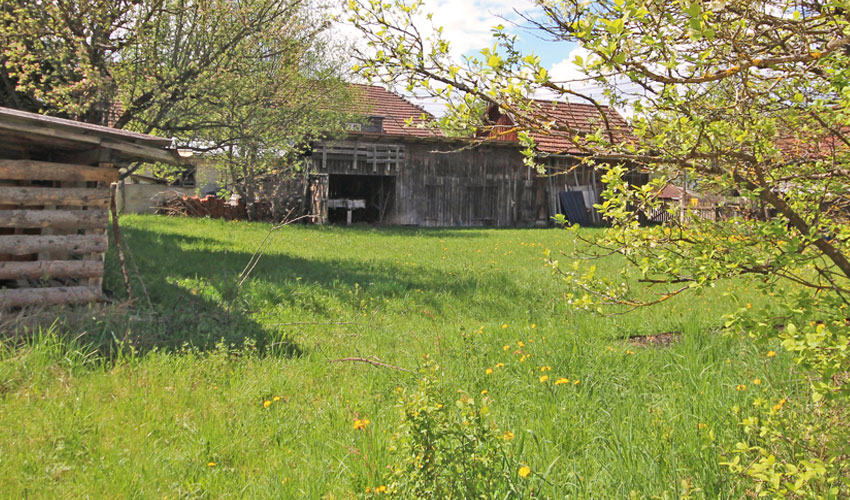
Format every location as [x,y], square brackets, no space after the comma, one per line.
[387,171]
[55,177]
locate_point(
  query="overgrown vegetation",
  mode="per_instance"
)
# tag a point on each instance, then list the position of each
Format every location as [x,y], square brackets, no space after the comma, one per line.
[747,99]
[218,391]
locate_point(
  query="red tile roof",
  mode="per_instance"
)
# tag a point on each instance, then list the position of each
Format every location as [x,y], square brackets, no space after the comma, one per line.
[370,100]
[581,118]
[810,148]
[568,119]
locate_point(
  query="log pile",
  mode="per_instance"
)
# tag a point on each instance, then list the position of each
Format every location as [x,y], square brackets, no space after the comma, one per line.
[209,206]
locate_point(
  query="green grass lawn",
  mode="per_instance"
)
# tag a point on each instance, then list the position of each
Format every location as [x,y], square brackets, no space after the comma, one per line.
[116,402]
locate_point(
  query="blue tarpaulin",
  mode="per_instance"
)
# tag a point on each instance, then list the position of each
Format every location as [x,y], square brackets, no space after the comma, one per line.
[572,206]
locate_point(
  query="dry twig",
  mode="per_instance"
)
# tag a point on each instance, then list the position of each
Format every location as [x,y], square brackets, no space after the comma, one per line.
[373,362]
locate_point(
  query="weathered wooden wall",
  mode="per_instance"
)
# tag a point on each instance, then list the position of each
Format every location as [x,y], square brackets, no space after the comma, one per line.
[53,220]
[482,186]
[445,185]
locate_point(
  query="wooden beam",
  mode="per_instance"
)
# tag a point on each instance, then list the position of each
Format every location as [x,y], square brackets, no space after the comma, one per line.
[139,151]
[74,197]
[51,269]
[21,244]
[28,170]
[17,297]
[83,219]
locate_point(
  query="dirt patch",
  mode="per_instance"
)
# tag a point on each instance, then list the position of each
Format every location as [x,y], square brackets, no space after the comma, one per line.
[659,340]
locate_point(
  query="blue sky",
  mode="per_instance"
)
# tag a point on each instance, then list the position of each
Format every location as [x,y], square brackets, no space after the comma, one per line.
[467,26]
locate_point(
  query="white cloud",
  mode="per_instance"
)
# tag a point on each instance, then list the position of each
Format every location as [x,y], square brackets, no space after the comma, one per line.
[467,24]
[569,75]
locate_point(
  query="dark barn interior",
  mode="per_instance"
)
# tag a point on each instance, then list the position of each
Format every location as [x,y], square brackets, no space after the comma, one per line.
[375,190]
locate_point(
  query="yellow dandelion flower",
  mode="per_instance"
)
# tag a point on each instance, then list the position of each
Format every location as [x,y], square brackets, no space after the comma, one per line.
[544,378]
[524,471]
[488,371]
[276,399]
[522,359]
[508,435]
[741,387]
[211,464]
[701,426]
[484,392]
[562,381]
[368,490]
[499,365]
[575,382]
[771,354]
[267,403]
[506,347]
[757,381]
[361,424]
[533,325]
[520,344]
[381,489]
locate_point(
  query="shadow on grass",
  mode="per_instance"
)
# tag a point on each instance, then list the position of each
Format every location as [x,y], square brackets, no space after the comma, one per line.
[192,283]
[428,232]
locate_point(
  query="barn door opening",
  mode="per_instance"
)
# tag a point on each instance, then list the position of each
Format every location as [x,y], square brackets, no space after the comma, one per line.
[359,198]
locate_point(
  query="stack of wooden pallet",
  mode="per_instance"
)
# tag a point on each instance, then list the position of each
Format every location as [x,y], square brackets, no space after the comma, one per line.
[55,178]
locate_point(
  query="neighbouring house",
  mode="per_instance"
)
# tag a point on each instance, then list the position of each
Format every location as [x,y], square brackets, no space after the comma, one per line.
[700,205]
[55,177]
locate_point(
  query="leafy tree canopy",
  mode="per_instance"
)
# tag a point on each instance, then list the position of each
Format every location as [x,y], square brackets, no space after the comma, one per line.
[251,82]
[745,98]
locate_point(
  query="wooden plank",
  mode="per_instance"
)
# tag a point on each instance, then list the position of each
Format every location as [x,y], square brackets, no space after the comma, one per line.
[49,132]
[88,219]
[51,269]
[74,197]
[26,170]
[17,297]
[21,244]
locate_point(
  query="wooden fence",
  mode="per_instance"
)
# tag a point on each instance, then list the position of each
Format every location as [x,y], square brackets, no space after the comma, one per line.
[53,220]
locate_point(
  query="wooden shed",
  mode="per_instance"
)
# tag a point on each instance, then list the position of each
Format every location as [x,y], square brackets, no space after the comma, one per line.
[55,177]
